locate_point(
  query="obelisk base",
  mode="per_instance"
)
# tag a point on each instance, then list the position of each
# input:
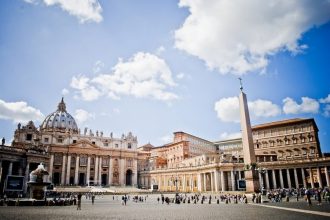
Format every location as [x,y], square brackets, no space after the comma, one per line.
[251,181]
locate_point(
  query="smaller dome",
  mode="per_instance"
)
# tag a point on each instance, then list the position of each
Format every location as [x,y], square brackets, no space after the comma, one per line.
[60,119]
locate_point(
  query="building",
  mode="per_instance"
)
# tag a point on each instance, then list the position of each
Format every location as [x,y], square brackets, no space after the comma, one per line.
[71,157]
[287,155]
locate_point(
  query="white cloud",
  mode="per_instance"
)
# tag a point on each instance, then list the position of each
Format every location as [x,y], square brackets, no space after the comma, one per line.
[84,10]
[325,100]
[180,76]
[82,116]
[86,91]
[239,36]
[326,111]
[307,105]
[98,66]
[116,110]
[228,109]
[160,50]
[143,76]
[65,92]
[166,139]
[226,136]
[264,108]
[19,112]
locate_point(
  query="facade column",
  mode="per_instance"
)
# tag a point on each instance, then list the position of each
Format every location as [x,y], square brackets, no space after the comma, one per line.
[216,177]
[281,178]
[326,170]
[199,182]
[233,188]
[311,177]
[135,173]
[68,167]
[289,178]
[110,173]
[27,172]
[88,175]
[204,182]
[239,175]
[223,181]
[184,183]
[191,183]
[122,172]
[10,168]
[274,179]
[319,178]
[261,181]
[96,170]
[63,170]
[303,177]
[296,177]
[267,180]
[100,171]
[76,171]
[212,181]
[50,170]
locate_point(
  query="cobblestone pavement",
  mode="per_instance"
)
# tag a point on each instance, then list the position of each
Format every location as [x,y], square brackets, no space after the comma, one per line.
[107,208]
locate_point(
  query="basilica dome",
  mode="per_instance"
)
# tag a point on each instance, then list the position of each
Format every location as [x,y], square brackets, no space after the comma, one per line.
[60,120]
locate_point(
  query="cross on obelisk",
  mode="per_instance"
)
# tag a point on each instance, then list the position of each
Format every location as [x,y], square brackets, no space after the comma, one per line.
[251,175]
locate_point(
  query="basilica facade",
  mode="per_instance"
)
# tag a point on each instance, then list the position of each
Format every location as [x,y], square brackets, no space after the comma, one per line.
[287,155]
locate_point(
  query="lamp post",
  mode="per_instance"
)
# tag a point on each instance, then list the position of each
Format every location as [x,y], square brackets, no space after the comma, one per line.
[262,171]
[175,179]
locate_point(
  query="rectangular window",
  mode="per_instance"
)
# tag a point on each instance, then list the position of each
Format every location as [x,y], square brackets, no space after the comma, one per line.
[28,137]
[129,145]
[60,140]
[116,145]
[105,144]
[46,140]
[74,141]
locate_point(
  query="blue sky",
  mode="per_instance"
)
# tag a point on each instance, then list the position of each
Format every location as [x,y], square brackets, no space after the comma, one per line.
[155,67]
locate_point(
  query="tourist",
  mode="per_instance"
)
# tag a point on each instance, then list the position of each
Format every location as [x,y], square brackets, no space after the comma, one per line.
[93,199]
[308,197]
[79,202]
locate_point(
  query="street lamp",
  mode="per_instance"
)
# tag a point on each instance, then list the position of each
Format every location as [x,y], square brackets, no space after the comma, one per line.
[262,171]
[175,179]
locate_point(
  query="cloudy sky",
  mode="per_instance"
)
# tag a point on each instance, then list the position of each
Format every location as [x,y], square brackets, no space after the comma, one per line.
[155,67]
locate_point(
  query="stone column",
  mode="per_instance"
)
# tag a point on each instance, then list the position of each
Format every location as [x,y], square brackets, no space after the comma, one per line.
[319,178]
[296,178]
[100,171]
[223,181]
[281,178]
[267,180]
[184,183]
[212,181]
[233,188]
[303,177]
[50,171]
[204,182]
[239,175]
[76,171]
[96,170]
[199,182]
[10,168]
[68,169]
[311,177]
[326,170]
[135,173]
[288,177]
[110,173]
[191,183]
[27,172]
[274,179]
[261,181]
[88,175]
[216,177]
[122,172]
[63,170]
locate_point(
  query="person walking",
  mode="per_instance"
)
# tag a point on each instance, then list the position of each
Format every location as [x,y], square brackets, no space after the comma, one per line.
[79,201]
[93,199]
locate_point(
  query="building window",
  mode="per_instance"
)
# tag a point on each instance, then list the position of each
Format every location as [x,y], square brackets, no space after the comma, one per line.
[312,151]
[46,140]
[294,140]
[74,141]
[129,145]
[310,138]
[59,140]
[28,137]
[105,144]
[116,145]
[93,142]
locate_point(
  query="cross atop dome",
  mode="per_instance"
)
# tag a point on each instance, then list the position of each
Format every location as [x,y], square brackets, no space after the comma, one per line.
[61,106]
[240,82]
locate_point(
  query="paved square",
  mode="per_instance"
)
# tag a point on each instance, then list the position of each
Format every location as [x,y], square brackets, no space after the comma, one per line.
[107,208]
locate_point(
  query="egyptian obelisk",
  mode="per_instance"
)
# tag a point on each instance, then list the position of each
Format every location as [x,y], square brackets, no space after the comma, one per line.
[251,175]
